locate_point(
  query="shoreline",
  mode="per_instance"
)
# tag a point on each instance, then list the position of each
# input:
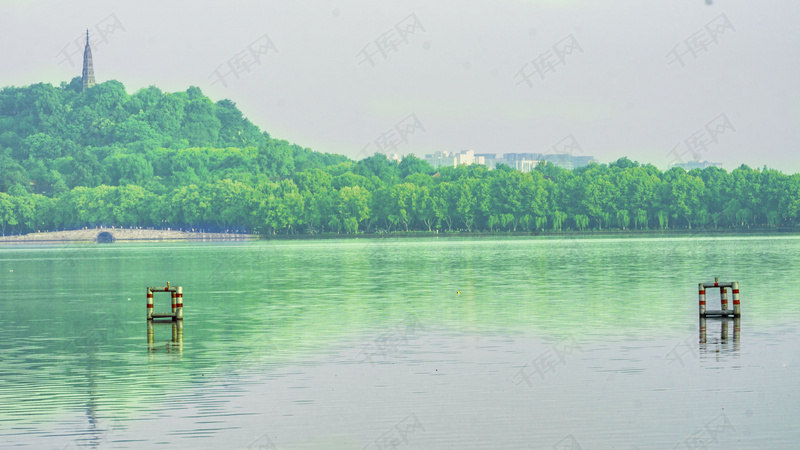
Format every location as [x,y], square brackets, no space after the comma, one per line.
[544,234]
[121,235]
[125,235]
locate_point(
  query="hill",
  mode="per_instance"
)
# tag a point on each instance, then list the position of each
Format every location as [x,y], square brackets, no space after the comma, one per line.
[73,159]
[53,139]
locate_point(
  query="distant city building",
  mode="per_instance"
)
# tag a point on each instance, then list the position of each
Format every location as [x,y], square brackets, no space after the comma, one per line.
[524,162]
[580,161]
[489,159]
[88,70]
[569,162]
[452,159]
[687,166]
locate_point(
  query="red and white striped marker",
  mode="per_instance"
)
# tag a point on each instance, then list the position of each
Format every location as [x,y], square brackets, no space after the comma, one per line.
[723,298]
[149,304]
[179,305]
[176,294]
[702,298]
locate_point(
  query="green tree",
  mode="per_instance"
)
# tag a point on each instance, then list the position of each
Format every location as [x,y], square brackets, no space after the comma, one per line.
[380,166]
[8,213]
[640,218]
[581,221]
[425,207]
[354,205]
[466,203]
[400,209]
[623,219]
[200,125]
[558,218]
[411,165]
[446,200]
[682,194]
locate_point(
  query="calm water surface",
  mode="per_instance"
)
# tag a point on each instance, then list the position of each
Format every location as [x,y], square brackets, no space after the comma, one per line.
[408,344]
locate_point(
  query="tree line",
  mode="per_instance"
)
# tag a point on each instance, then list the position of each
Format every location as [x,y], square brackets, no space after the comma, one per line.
[72,159]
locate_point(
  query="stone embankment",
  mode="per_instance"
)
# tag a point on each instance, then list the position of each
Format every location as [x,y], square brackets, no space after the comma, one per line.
[122,235]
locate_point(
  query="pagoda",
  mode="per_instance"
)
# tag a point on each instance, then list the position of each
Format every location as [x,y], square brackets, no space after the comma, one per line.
[88,70]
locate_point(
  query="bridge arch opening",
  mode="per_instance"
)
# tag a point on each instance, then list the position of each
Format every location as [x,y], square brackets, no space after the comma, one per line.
[105,238]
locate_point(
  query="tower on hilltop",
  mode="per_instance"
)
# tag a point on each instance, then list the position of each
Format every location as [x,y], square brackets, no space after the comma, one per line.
[88,69]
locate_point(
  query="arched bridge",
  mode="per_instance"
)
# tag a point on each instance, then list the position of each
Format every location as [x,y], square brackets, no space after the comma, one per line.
[109,235]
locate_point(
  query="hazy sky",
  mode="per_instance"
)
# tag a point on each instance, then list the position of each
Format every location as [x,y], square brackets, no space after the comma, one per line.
[657,81]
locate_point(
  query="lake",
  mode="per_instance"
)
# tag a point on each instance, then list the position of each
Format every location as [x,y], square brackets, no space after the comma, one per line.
[402,343]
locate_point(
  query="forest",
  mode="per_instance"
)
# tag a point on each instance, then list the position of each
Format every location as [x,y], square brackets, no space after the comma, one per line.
[72,159]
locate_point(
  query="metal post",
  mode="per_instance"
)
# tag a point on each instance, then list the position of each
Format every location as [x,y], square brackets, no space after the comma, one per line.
[702,299]
[149,304]
[723,298]
[179,304]
[736,307]
[703,338]
[177,334]
[173,297]
[150,336]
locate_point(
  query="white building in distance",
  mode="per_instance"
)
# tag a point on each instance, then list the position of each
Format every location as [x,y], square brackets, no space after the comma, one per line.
[524,162]
[452,159]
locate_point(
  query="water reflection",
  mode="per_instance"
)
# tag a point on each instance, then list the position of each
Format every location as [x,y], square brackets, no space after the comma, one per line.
[93,432]
[723,342]
[296,336]
[175,346]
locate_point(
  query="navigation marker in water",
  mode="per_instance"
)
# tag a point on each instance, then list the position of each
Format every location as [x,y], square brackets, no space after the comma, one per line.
[177,303]
[723,295]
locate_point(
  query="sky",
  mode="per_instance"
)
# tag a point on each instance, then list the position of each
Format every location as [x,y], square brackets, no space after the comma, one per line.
[658,81]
